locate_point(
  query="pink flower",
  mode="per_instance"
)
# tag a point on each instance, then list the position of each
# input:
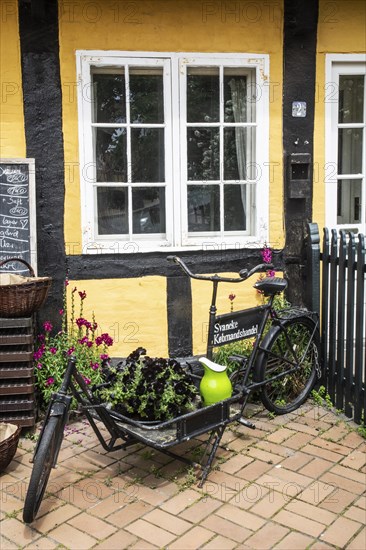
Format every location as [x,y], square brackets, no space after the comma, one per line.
[61,312]
[66,282]
[94,366]
[39,365]
[50,381]
[86,380]
[70,351]
[47,326]
[53,350]
[271,273]
[104,357]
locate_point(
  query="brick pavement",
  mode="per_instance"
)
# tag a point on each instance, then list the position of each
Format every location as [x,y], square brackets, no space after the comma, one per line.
[297,481]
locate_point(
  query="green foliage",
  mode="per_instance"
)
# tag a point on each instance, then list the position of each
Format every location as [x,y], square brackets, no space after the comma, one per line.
[150,388]
[322,398]
[77,337]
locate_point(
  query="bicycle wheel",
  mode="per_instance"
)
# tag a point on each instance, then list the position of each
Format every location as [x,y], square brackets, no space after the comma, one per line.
[280,355]
[43,463]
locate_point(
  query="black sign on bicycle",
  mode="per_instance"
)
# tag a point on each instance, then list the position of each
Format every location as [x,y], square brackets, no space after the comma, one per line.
[237,325]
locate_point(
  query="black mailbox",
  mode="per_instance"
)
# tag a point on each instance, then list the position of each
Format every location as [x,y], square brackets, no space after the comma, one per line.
[299,176]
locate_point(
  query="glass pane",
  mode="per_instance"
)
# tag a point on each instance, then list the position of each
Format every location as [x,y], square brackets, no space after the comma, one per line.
[351,98]
[111,154]
[239,154]
[109,98]
[147,154]
[203,94]
[112,206]
[146,96]
[235,97]
[203,154]
[148,205]
[350,203]
[203,208]
[234,207]
[350,151]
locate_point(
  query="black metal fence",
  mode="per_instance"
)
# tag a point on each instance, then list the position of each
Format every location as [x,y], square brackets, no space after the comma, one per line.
[336,283]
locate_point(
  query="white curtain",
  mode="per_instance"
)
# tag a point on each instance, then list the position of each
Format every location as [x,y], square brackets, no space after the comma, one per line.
[239,104]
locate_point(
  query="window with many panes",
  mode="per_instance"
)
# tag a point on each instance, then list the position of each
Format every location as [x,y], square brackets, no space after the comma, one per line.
[173,150]
[346,150]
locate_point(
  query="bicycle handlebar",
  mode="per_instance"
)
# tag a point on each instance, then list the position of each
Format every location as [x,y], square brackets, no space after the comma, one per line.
[243,273]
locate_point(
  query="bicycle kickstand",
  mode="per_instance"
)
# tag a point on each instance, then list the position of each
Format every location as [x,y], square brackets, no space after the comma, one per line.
[214,441]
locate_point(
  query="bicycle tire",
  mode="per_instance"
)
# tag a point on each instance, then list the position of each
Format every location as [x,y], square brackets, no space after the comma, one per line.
[43,463]
[289,392]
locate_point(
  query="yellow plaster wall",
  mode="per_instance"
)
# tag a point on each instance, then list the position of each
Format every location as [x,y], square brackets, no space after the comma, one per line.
[341,29]
[170,26]
[12,137]
[132,311]
[165,25]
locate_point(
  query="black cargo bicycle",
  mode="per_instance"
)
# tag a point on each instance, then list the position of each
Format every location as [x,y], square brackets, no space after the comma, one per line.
[283,366]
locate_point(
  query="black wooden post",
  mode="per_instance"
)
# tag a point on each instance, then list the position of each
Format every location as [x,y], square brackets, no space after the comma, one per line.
[313,268]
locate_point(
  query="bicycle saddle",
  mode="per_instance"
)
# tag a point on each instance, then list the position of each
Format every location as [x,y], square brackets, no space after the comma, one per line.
[271,285]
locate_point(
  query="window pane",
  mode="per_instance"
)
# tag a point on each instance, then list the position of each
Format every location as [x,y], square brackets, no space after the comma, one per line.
[350,151]
[203,208]
[146,96]
[239,154]
[111,154]
[234,207]
[350,203]
[203,154]
[147,154]
[351,98]
[203,94]
[109,98]
[235,97]
[112,207]
[148,205]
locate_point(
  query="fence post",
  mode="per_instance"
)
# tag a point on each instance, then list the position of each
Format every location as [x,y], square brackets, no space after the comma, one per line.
[313,268]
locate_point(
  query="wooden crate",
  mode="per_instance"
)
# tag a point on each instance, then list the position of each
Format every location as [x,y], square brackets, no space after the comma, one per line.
[17,389]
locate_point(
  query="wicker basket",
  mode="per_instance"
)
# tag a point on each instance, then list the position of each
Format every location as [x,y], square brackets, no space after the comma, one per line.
[21,296]
[9,438]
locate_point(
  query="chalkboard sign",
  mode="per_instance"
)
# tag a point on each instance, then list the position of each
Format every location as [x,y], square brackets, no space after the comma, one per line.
[17,214]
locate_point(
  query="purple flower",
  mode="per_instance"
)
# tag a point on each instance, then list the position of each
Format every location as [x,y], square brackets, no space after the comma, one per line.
[40,337]
[50,381]
[53,350]
[38,354]
[271,273]
[47,326]
[70,351]
[267,255]
[104,357]
[39,365]
[94,366]
[86,380]
[104,338]
[81,322]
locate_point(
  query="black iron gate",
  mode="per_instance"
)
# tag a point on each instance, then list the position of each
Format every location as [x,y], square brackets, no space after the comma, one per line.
[336,283]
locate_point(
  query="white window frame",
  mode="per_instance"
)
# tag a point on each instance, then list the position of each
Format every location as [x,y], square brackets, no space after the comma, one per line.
[174,66]
[337,65]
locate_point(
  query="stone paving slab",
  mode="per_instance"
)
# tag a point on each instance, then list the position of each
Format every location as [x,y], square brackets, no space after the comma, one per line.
[296,482]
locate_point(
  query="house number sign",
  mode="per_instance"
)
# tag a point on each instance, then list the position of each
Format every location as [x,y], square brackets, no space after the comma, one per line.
[299,108]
